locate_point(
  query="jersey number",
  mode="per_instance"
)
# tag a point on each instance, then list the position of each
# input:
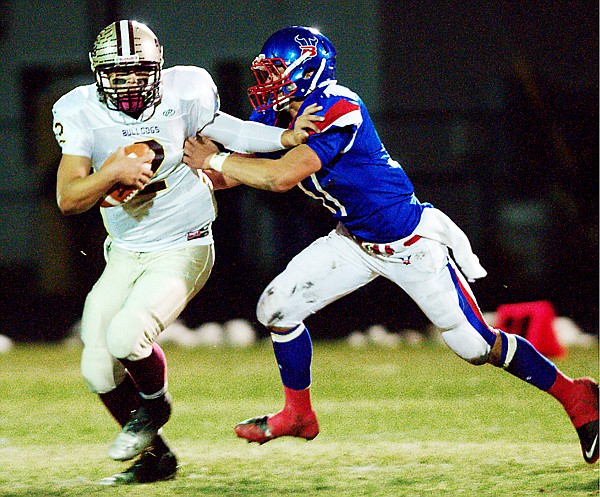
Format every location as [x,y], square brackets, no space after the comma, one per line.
[159,157]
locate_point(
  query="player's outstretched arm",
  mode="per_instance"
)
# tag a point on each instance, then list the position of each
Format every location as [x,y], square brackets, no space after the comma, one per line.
[250,136]
[279,175]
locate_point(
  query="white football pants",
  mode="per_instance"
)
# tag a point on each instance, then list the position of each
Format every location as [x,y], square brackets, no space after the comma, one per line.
[336,265]
[137,296]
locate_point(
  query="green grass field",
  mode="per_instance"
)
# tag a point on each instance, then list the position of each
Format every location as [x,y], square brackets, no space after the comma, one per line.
[394,422]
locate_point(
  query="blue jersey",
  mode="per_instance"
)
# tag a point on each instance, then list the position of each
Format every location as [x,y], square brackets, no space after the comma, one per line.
[358,182]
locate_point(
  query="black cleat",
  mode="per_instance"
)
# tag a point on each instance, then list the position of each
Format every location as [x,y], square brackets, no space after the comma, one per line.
[588,436]
[137,435]
[149,468]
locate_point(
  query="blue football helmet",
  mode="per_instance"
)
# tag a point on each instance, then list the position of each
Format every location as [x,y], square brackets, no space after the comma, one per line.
[292,63]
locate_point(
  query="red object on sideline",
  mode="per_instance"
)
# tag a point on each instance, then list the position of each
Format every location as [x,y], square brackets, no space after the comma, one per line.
[533,321]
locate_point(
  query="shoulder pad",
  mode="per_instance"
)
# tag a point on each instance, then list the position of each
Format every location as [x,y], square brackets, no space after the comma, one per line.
[73,101]
[189,82]
[340,111]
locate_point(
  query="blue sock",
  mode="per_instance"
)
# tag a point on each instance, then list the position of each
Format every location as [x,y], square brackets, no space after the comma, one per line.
[293,352]
[522,360]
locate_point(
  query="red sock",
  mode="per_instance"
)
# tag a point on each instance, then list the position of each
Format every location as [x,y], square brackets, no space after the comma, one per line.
[296,418]
[562,389]
[579,397]
[149,374]
[297,401]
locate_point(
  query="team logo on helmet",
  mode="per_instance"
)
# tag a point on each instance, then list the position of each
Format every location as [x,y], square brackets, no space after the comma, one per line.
[307,45]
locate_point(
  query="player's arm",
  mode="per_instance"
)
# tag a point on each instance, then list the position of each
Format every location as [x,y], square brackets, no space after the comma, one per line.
[196,145]
[249,136]
[77,190]
[277,175]
[219,180]
[197,148]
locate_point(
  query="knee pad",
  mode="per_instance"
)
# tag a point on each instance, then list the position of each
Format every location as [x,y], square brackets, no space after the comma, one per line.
[468,345]
[270,313]
[127,337]
[100,371]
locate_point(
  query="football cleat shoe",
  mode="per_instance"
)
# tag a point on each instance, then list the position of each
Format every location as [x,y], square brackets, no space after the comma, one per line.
[140,430]
[588,436]
[584,416]
[149,468]
[264,428]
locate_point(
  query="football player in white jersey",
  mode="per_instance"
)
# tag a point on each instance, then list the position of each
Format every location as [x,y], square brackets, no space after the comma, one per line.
[383,230]
[159,250]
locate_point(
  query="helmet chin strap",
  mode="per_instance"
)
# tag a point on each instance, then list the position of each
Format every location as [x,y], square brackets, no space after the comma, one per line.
[295,64]
[282,106]
[313,83]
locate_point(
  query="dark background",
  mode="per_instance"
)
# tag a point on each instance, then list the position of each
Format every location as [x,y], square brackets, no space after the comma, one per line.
[491,108]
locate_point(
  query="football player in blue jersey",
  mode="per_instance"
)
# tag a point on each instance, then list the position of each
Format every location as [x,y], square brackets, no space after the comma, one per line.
[383,230]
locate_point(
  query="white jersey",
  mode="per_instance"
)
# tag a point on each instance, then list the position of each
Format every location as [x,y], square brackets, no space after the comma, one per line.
[177,207]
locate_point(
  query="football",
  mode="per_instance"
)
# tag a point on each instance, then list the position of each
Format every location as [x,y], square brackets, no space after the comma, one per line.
[119,194]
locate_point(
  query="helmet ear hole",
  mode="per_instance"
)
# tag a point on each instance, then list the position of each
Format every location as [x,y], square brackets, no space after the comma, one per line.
[308,74]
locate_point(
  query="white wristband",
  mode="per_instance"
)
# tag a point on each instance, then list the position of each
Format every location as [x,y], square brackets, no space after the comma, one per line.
[216,161]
